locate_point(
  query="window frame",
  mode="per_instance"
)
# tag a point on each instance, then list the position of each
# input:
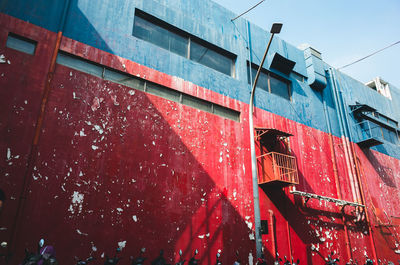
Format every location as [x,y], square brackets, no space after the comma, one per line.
[269,74]
[190,38]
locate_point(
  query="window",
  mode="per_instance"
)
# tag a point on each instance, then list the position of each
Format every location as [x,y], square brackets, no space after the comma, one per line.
[21,44]
[134,82]
[269,82]
[153,30]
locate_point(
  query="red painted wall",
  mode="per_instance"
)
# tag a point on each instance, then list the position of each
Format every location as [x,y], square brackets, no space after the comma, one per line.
[114,164]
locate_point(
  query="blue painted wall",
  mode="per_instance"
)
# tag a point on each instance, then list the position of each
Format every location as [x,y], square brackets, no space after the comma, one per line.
[108,25]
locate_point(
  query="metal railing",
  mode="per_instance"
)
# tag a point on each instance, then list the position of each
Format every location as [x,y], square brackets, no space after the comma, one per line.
[366,130]
[275,166]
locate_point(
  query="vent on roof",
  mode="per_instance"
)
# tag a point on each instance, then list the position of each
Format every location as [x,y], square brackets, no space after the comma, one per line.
[380,86]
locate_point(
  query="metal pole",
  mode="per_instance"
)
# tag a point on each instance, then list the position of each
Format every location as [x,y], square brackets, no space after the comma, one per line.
[257,218]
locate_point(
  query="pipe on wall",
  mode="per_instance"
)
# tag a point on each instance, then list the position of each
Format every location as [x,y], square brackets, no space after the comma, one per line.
[38,128]
[335,173]
[342,132]
[352,155]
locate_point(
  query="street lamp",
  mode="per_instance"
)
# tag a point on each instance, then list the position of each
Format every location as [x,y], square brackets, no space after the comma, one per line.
[275,29]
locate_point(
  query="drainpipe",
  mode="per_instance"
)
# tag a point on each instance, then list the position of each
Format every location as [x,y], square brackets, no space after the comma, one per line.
[33,152]
[348,136]
[335,173]
[360,187]
[352,154]
[343,135]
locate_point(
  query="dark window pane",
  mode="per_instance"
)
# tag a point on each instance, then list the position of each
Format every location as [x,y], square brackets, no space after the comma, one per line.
[279,87]
[160,36]
[79,64]
[196,103]
[21,44]
[163,92]
[123,79]
[262,79]
[210,58]
[389,135]
[376,130]
[226,113]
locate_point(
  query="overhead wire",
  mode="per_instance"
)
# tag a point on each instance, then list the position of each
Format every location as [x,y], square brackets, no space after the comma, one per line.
[365,57]
[248,10]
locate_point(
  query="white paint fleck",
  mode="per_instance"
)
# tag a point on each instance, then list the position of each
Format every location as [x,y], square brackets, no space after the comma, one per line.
[134,217]
[2,58]
[98,128]
[251,236]
[8,153]
[122,244]
[131,92]
[76,202]
[94,248]
[120,210]
[8,61]
[249,224]
[95,147]
[220,159]
[201,236]
[80,174]
[81,233]
[251,258]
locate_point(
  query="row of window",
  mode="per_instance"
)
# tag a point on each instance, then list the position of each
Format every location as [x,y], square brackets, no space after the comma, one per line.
[153,30]
[385,119]
[376,130]
[134,82]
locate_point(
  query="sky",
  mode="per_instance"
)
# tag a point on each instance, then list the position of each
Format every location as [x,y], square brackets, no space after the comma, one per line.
[342,30]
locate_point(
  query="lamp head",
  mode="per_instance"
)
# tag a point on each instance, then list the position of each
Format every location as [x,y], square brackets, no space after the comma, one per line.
[276,28]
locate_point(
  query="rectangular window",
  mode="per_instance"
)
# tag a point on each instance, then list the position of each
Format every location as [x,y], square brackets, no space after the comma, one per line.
[134,82]
[160,36]
[153,30]
[270,82]
[21,44]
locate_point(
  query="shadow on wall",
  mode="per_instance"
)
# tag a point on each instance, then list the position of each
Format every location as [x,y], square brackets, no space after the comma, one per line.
[385,173]
[115,165]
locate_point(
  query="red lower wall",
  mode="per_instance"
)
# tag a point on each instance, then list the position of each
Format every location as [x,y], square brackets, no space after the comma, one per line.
[147,172]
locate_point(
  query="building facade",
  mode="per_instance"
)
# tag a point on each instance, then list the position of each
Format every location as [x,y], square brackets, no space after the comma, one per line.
[125,123]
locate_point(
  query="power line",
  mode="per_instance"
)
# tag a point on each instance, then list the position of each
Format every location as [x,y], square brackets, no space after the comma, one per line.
[359,60]
[248,10]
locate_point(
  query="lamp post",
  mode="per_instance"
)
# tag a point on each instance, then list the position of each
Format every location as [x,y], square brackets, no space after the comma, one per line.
[275,29]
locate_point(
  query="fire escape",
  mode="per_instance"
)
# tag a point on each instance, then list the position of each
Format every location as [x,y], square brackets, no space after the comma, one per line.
[275,166]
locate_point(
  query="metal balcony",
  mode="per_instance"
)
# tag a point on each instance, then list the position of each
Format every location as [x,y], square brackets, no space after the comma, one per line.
[277,169]
[368,134]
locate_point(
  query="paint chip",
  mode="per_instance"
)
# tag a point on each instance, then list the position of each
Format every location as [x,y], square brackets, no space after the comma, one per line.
[8,153]
[81,233]
[134,217]
[2,59]
[122,244]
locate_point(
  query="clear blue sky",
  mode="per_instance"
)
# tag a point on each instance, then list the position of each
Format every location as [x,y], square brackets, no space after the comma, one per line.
[342,30]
